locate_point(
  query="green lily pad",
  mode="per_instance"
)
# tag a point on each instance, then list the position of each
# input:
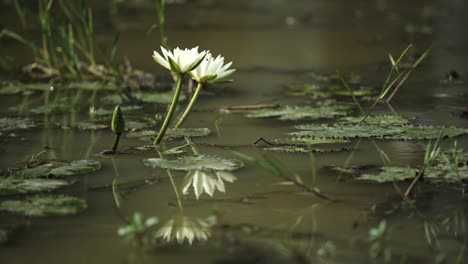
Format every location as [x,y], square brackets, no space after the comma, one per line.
[389,174]
[17,185]
[90,126]
[301,149]
[408,132]
[174,133]
[39,205]
[377,120]
[58,169]
[9,124]
[92,86]
[13,88]
[108,112]
[303,112]
[311,141]
[158,98]
[53,108]
[200,162]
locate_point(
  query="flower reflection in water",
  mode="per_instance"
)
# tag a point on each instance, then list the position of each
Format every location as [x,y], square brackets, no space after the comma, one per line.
[181,227]
[206,181]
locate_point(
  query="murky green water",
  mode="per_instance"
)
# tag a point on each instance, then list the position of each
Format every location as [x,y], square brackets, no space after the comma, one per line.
[272,44]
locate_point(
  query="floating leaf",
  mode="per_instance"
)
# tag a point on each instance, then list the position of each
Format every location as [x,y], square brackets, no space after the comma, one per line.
[39,205]
[9,124]
[311,141]
[90,126]
[301,149]
[407,132]
[389,174]
[201,162]
[58,169]
[92,86]
[377,120]
[174,133]
[108,112]
[53,108]
[303,112]
[158,98]
[17,185]
[17,88]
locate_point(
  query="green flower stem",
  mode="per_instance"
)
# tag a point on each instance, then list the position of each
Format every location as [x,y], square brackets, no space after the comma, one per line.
[174,185]
[190,106]
[116,141]
[172,108]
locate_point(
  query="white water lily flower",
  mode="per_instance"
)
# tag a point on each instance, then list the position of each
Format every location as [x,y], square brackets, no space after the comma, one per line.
[207,181]
[180,61]
[181,227]
[212,70]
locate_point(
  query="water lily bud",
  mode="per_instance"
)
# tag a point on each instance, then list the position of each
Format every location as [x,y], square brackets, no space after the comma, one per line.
[118,122]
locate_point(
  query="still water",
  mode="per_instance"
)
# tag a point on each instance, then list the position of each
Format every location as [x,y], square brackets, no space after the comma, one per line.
[272,44]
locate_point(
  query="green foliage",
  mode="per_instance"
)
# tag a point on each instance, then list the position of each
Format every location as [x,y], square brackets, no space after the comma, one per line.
[406,132]
[302,112]
[53,108]
[382,120]
[39,205]
[137,230]
[118,121]
[173,133]
[200,162]
[10,124]
[58,169]
[389,174]
[18,185]
[157,98]
[378,240]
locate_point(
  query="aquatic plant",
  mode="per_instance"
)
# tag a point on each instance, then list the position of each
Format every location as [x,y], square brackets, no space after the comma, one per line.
[378,238]
[430,156]
[199,162]
[395,79]
[210,70]
[118,126]
[41,206]
[179,62]
[138,230]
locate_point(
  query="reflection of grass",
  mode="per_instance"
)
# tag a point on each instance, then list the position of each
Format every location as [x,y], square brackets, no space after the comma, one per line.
[273,166]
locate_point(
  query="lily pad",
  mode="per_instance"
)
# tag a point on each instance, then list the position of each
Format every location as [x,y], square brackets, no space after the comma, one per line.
[53,108]
[377,120]
[158,98]
[39,205]
[407,132]
[92,86]
[389,174]
[174,133]
[200,162]
[9,124]
[303,112]
[90,126]
[108,112]
[18,88]
[301,149]
[58,169]
[17,185]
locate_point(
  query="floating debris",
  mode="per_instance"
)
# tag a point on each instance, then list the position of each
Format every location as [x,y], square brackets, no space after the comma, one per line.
[200,162]
[39,205]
